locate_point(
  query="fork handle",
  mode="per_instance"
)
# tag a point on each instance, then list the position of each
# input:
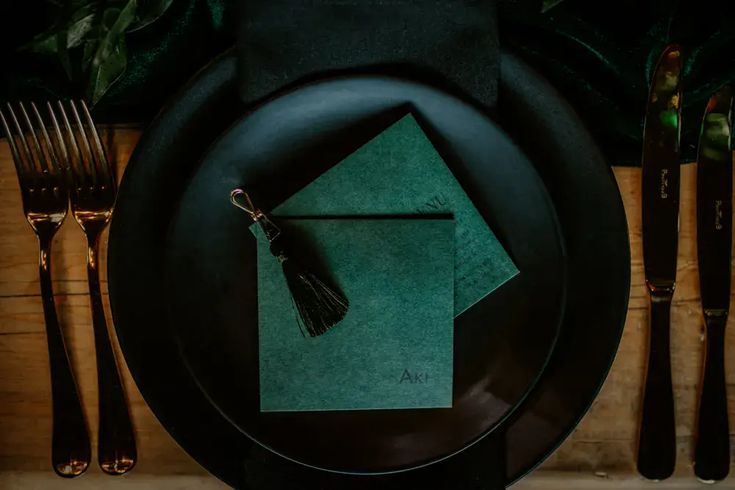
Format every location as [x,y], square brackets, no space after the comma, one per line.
[116,449]
[70,449]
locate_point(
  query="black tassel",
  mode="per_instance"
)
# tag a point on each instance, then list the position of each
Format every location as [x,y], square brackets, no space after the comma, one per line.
[319,306]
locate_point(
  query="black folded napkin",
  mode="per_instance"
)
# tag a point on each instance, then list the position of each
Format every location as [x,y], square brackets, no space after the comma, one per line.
[284,41]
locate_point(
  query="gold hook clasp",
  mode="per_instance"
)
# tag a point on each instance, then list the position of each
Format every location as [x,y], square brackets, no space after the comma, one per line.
[242,200]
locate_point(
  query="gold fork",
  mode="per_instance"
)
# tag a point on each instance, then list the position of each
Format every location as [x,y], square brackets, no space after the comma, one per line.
[92,196]
[45,202]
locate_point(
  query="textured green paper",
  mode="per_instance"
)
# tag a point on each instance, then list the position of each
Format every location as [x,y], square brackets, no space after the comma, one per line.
[400,172]
[394,348]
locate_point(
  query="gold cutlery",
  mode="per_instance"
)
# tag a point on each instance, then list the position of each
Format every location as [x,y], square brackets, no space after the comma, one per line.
[92,194]
[660,206]
[38,163]
[714,250]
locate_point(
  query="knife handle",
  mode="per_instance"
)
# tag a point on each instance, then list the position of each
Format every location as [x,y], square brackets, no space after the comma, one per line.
[657,439]
[712,454]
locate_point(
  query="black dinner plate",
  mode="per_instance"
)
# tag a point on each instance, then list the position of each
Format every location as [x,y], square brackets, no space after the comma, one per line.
[501,345]
[593,223]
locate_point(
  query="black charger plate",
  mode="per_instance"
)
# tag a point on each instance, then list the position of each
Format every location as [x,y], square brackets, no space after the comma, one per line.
[592,219]
[500,345]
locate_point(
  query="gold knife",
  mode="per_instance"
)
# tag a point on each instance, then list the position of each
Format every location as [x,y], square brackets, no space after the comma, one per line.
[714,245]
[660,200]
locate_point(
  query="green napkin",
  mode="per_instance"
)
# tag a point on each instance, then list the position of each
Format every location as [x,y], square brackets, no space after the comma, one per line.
[400,172]
[394,349]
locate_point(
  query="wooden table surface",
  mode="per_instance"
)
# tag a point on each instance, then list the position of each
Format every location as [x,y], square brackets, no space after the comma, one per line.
[599,454]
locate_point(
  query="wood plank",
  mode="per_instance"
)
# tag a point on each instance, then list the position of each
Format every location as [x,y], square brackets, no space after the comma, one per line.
[36,480]
[541,480]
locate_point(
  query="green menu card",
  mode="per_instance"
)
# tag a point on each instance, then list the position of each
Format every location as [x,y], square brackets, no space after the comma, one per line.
[393,349]
[400,172]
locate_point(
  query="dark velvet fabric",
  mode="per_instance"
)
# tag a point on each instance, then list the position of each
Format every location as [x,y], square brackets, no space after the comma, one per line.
[599,54]
[282,42]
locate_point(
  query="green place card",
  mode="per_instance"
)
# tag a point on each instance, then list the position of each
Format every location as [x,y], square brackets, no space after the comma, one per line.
[400,172]
[393,349]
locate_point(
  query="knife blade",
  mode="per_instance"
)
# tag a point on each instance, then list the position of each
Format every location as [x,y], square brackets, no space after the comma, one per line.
[714,244]
[660,207]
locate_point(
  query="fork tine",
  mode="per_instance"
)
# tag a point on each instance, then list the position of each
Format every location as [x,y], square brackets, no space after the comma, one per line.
[38,158]
[21,166]
[50,153]
[90,163]
[62,155]
[76,167]
[24,151]
[103,166]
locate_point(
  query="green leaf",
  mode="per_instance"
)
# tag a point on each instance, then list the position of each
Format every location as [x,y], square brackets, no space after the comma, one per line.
[74,29]
[549,4]
[88,51]
[77,4]
[79,29]
[62,43]
[110,57]
[148,12]
[44,43]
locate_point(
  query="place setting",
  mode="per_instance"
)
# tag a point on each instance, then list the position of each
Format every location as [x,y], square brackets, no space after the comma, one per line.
[380,157]
[372,245]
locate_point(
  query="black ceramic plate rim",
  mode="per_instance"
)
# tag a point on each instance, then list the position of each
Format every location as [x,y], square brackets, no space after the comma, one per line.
[220,73]
[556,326]
[510,59]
